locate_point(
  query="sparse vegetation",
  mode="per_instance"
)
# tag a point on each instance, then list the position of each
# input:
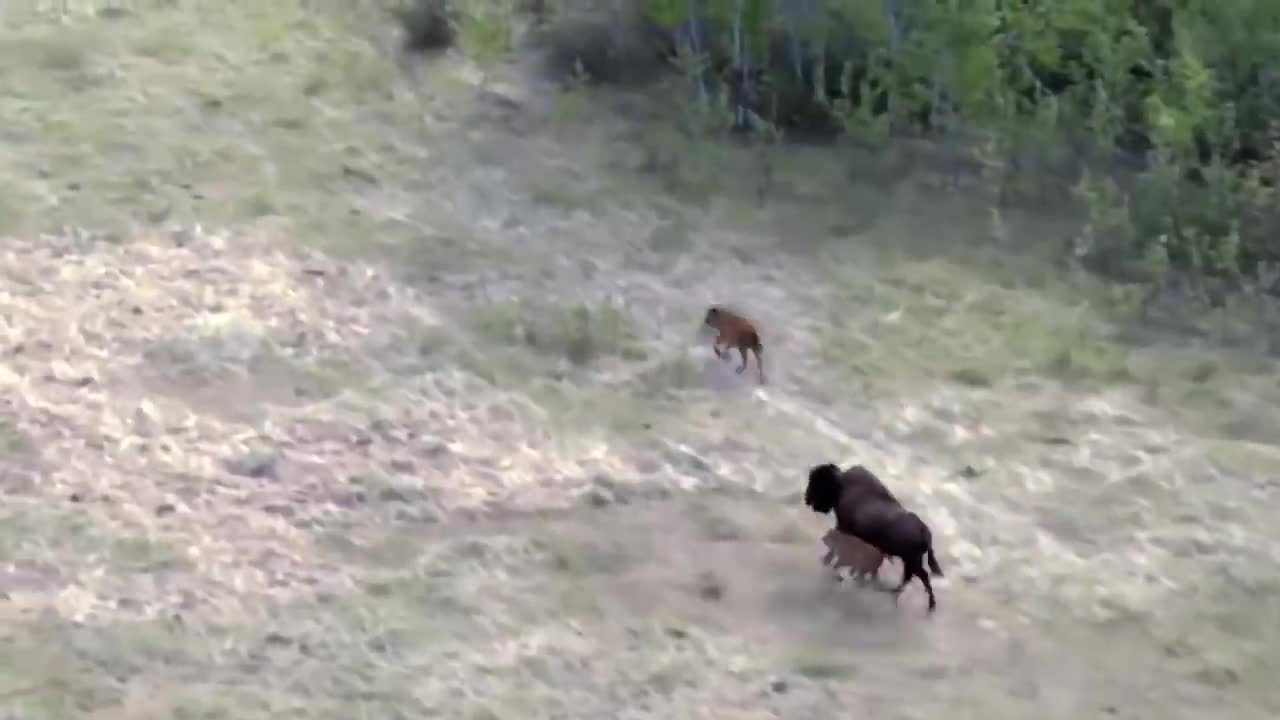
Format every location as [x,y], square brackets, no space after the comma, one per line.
[672,236]
[972,332]
[819,668]
[578,333]
[13,442]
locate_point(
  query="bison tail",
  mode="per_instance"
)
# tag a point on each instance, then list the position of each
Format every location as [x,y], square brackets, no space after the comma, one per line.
[934,567]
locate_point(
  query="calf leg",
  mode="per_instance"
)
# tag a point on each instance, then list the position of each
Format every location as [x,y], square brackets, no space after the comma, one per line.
[826,559]
[870,570]
[742,351]
[875,578]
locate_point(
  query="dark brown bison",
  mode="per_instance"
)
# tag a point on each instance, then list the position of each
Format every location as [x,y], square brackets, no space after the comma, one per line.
[865,509]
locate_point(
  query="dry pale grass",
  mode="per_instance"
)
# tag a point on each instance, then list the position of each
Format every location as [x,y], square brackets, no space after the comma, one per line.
[173,458]
[174,379]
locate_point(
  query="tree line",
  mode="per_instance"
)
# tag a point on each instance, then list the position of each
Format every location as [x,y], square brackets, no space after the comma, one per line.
[1157,118]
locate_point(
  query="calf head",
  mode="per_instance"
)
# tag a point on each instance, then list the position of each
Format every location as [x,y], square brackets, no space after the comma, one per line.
[713,316]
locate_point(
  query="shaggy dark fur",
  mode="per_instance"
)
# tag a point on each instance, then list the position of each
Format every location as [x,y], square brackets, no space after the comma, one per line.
[856,482]
[865,509]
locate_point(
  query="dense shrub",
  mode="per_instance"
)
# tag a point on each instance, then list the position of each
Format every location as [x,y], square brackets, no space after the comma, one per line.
[610,43]
[427,25]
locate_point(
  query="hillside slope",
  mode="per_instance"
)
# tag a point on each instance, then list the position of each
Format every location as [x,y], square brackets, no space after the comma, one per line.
[330,390]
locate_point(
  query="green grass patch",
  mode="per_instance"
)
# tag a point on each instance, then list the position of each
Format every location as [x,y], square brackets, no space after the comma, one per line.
[937,317]
[62,536]
[823,667]
[571,408]
[206,113]
[580,335]
[486,28]
[14,443]
[563,191]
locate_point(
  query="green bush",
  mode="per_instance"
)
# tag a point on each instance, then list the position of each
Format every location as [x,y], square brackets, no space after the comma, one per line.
[1157,114]
[604,42]
[1155,119]
[428,25]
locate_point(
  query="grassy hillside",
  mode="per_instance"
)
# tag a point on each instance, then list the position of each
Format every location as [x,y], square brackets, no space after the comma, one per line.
[338,383]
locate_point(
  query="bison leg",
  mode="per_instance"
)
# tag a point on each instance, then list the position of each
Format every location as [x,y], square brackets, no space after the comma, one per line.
[928,587]
[907,574]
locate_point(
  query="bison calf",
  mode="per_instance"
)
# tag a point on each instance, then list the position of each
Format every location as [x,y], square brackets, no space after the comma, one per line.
[735,331]
[862,559]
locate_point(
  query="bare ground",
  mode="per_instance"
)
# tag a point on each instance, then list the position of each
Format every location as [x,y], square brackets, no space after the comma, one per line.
[373,397]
